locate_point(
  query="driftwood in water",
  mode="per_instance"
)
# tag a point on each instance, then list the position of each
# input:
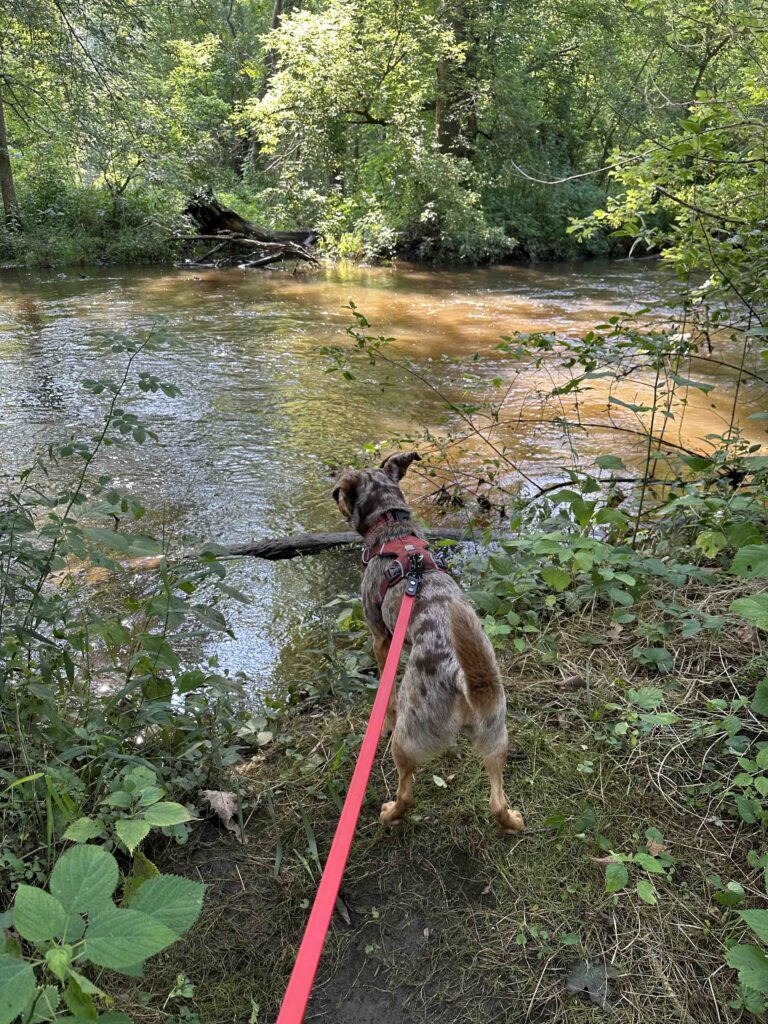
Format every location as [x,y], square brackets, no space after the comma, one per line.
[313,543]
[239,241]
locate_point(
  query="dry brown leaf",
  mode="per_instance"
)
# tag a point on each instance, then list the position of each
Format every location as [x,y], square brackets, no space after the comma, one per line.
[224,805]
[653,847]
[604,861]
[570,683]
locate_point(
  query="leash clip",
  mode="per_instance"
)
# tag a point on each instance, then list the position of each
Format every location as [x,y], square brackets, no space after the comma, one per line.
[415,571]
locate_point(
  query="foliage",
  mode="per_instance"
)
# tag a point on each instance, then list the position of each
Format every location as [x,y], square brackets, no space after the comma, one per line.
[107,717]
[74,926]
[444,131]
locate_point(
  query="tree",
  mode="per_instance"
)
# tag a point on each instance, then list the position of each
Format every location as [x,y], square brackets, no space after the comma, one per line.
[7,188]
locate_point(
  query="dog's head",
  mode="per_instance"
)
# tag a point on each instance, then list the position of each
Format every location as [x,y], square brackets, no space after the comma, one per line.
[365,495]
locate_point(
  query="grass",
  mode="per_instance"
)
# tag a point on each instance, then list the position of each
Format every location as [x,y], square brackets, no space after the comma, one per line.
[446,921]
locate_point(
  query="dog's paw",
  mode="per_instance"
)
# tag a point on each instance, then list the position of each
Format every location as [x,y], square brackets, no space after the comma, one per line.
[511,821]
[389,815]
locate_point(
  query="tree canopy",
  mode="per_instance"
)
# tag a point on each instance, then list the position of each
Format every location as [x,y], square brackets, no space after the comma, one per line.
[440,129]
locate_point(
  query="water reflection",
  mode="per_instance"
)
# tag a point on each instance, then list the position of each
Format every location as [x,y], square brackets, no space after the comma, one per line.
[249,447]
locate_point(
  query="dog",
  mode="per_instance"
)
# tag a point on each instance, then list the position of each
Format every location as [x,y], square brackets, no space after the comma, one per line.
[451,684]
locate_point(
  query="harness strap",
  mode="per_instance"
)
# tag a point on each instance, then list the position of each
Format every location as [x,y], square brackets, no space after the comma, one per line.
[402,550]
[307,959]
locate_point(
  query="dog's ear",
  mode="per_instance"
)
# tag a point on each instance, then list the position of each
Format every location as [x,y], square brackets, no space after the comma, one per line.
[345,491]
[396,466]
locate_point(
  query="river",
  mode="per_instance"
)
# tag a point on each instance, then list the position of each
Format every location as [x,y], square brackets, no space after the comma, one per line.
[250,447]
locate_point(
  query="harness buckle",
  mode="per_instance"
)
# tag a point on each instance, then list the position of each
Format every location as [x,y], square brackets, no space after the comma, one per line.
[415,571]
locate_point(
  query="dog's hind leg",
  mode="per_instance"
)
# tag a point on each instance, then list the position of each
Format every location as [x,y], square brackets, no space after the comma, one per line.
[393,812]
[509,820]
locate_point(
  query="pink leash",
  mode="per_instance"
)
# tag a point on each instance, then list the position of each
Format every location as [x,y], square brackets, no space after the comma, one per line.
[297,994]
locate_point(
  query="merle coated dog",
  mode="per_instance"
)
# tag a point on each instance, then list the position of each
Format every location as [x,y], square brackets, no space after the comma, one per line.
[451,684]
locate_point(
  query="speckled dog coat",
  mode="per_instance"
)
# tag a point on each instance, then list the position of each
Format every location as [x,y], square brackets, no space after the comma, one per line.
[451,683]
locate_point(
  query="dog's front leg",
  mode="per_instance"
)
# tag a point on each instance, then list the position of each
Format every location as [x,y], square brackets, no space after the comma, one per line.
[381,644]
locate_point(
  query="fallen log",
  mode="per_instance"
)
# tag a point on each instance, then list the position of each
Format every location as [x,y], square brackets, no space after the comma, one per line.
[212,218]
[302,544]
[273,549]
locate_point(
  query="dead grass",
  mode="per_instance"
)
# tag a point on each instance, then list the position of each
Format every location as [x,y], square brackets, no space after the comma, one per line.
[449,923]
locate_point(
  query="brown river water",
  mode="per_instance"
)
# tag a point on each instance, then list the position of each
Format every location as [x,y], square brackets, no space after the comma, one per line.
[250,446]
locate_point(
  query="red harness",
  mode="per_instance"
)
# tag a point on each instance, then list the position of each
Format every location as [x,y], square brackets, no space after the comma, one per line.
[409,554]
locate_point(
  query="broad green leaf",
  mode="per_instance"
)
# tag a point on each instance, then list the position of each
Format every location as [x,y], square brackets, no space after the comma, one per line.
[17,986]
[684,382]
[172,900]
[167,813]
[760,700]
[616,877]
[555,578]
[751,561]
[646,890]
[132,831]
[83,829]
[752,965]
[118,938]
[649,863]
[646,697]
[84,877]
[37,915]
[45,1001]
[654,657]
[124,542]
[761,758]
[118,799]
[143,870]
[754,609]
[609,462]
[757,920]
[79,1003]
[711,542]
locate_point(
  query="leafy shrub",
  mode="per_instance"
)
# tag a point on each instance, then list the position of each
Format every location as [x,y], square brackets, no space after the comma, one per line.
[75,926]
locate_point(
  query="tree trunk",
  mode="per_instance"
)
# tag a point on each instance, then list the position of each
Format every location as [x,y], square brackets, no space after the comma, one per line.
[7,187]
[455,114]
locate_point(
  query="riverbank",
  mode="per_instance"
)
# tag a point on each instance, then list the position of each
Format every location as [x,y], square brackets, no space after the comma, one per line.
[442,920]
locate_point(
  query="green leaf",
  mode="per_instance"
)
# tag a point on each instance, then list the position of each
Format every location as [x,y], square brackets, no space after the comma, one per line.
[761,758]
[118,938]
[79,1003]
[649,863]
[616,877]
[84,877]
[751,561]
[555,578]
[711,542]
[58,959]
[752,965]
[439,782]
[37,915]
[760,701]
[167,813]
[118,799]
[131,832]
[731,895]
[754,609]
[646,697]
[684,382]
[757,920]
[646,891]
[174,901]
[143,870]
[654,657]
[609,462]
[17,986]
[83,829]
[45,1001]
